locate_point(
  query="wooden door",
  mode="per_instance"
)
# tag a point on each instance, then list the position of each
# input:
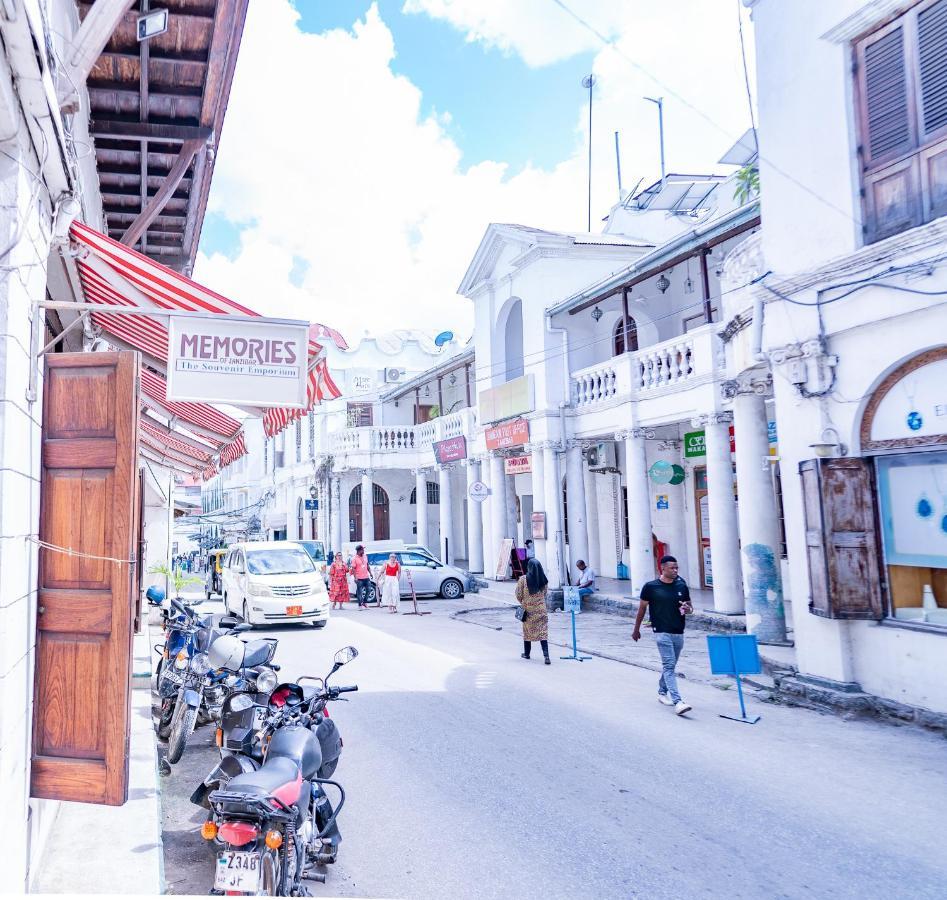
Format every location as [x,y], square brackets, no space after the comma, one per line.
[380,513]
[81,711]
[139,547]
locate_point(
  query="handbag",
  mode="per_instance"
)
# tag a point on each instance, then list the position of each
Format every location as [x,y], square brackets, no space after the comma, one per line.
[520,614]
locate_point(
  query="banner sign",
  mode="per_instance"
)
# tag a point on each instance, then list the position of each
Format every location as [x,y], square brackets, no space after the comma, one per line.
[514,398]
[518,465]
[695,443]
[450,450]
[538,523]
[259,362]
[509,434]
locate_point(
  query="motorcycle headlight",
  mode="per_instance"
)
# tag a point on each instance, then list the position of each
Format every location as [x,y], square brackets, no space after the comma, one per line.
[240,703]
[181,660]
[200,663]
[259,590]
[266,680]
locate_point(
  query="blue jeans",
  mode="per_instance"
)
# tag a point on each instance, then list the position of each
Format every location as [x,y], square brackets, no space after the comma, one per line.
[584,592]
[669,647]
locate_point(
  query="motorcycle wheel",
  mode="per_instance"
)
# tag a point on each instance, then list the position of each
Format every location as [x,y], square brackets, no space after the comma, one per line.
[270,874]
[182,724]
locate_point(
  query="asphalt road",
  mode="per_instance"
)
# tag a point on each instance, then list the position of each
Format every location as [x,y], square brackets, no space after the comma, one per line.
[473,773]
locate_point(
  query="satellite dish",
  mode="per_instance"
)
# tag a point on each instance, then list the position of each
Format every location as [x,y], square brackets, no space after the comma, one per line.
[443,338]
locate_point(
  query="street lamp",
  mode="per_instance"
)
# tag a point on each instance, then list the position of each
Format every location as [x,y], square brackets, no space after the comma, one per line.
[313,491]
[597,314]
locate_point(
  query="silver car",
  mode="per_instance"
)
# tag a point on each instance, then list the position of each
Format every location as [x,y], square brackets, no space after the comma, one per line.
[429,576]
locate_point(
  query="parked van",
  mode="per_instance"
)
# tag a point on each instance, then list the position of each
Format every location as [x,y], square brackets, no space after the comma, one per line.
[317,550]
[271,582]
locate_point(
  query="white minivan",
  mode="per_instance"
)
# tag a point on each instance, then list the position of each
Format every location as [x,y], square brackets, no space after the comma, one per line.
[272,582]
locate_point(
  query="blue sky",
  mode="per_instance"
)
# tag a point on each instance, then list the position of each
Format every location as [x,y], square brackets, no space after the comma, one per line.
[500,108]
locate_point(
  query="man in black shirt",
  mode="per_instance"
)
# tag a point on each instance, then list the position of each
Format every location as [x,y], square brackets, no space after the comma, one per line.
[668,600]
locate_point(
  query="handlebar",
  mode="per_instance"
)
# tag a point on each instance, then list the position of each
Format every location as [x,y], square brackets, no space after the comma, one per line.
[344,690]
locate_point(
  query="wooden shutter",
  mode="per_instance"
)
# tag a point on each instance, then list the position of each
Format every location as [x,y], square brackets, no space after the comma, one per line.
[841,539]
[81,711]
[932,67]
[887,128]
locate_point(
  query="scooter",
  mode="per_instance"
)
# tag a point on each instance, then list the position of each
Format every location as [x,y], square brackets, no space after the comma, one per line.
[273,821]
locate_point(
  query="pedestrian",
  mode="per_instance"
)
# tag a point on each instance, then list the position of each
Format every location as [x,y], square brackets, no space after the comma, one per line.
[530,551]
[586,579]
[668,600]
[391,584]
[338,581]
[531,595]
[363,578]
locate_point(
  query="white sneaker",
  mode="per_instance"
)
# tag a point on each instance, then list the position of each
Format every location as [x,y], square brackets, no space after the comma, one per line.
[681,707]
[665,699]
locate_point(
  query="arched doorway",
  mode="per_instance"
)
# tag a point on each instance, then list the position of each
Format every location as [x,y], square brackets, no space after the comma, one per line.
[380,511]
[625,339]
[513,341]
[299,519]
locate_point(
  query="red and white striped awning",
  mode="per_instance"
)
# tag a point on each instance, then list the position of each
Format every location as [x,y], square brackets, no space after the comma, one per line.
[233,451]
[115,275]
[201,418]
[181,447]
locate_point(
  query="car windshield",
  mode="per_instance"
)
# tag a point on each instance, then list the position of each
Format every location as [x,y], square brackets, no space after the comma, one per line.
[315,550]
[279,562]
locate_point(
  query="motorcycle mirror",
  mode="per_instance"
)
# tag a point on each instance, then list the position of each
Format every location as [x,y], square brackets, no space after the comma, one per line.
[345,655]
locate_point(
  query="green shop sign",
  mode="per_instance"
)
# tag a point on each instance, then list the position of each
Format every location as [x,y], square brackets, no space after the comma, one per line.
[694,444]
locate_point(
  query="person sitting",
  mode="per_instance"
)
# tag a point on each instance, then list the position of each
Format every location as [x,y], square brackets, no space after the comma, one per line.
[586,579]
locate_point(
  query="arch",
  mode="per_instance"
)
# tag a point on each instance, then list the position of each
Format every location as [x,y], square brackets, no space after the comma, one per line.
[508,340]
[300,506]
[883,389]
[625,340]
[380,510]
[433,494]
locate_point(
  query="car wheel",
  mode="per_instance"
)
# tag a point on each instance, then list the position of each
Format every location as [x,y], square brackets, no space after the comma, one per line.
[246,613]
[451,589]
[320,624]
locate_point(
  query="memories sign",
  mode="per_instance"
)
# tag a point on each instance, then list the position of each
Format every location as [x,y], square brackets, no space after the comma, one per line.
[257,362]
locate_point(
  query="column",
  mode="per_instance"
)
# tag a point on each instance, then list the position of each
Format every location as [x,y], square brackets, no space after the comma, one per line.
[486,521]
[575,506]
[420,509]
[641,567]
[724,533]
[539,500]
[509,483]
[446,543]
[474,523]
[337,514]
[758,516]
[368,507]
[498,509]
[551,498]
[592,519]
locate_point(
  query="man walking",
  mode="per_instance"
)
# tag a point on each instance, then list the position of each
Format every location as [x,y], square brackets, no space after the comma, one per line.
[668,600]
[362,576]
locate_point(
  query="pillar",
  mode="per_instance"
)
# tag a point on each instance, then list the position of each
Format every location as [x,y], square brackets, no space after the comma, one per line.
[474,524]
[486,520]
[420,509]
[724,532]
[553,510]
[498,508]
[368,508]
[336,513]
[594,558]
[446,543]
[509,483]
[539,500]
[575,506]
[758,516]
[641,567]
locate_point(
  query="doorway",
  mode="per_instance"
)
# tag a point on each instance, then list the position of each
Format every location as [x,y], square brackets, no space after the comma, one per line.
[380,512]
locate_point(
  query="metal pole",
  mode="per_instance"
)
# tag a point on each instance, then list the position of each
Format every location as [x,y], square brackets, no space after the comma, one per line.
[659,101]
[618,166]
[588,82]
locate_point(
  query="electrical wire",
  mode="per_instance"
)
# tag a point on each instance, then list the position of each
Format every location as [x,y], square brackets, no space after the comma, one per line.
[746,77]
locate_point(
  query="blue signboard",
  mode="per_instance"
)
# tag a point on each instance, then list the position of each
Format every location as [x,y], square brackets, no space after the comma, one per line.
[312,504]
[571,601]
[736,655]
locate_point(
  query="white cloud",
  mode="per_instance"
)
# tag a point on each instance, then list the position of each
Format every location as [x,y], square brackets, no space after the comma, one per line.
[327,160]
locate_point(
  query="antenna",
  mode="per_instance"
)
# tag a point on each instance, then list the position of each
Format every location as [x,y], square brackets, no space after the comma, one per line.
[588,83]
[660,104]
[618,165]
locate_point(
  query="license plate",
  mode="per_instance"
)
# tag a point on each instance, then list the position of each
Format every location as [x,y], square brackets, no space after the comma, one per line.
[259,717]
[294,610]
[237,871]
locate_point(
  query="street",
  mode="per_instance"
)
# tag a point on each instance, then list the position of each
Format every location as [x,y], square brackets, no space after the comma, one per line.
[473,773]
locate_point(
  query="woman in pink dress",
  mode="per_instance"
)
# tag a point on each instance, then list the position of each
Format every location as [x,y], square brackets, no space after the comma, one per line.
[338,582]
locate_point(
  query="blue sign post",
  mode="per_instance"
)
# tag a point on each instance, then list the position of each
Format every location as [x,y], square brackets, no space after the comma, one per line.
[572,603]
[312,504]
[736,655]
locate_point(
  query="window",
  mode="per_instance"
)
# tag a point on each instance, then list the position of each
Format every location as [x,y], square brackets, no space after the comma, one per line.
[901,96]
[626,340]
[433,493]
[359,415]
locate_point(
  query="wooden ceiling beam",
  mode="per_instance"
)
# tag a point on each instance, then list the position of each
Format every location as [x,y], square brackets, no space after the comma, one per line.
[150,131]
[186,57]
[90,40]
[114,191]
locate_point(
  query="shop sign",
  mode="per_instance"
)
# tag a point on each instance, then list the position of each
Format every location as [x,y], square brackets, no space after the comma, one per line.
[661,501]
[361,381]
[312,504]
[538,523]
[913,407]
[258,362]
[695,443]
[508,434]
[450,450]
[518,465]
[478,492]
[515,398]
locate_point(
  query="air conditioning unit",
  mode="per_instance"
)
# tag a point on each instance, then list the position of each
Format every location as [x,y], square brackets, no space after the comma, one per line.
[394,374]
[601,457]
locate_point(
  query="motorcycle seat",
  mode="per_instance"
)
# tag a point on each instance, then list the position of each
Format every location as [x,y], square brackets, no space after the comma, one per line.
[256,653]
[278,777]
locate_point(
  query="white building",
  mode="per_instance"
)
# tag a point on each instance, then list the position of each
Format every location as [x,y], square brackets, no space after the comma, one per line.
[851,323]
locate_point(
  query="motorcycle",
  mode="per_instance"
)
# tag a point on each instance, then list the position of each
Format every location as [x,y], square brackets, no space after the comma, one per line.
[273,821]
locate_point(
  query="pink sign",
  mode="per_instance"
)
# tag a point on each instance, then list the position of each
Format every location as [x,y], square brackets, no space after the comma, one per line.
[450,450]
[514,433]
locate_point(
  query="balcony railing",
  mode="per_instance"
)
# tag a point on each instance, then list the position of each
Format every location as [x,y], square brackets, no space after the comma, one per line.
[404,438]
[664,365]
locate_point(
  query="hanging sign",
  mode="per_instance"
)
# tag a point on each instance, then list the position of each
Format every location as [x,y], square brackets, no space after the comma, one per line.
[503,560]
[514,433]
[478,492]
[538,523]
[450,450]
[695,443]
[312,504]
[518,465]
[661,471]
[259,362]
